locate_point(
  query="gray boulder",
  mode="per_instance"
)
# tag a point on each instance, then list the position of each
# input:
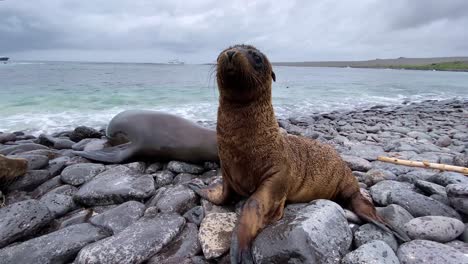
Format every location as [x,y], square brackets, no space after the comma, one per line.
[375,251]
[118,218]
[435,228]
[57,247]
[429,252]
[183,167]
[368,232]
[22,219]
[136,243]
[458,197]
[116,185]
[81,173]
[316,233]
[176,198]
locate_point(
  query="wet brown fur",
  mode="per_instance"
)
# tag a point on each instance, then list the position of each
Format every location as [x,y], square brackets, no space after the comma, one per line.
[269,167]
[11,168]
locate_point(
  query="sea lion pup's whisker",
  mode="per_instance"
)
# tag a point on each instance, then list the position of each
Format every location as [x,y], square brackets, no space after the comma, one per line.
[261,163]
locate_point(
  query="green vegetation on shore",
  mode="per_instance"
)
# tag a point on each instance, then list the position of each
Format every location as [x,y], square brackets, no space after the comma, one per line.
[443,66]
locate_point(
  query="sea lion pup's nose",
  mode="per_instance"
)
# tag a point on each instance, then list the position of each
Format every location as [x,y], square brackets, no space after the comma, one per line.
[230,53]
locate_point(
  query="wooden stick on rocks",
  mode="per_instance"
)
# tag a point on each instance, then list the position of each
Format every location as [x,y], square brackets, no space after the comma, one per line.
[424,164]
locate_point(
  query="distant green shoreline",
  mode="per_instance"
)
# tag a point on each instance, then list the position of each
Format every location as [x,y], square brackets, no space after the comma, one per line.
[428,64]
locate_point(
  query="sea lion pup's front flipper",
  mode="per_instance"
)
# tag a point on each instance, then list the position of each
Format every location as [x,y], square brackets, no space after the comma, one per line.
[264,206]
[117,154]
[218,193]
[365,210]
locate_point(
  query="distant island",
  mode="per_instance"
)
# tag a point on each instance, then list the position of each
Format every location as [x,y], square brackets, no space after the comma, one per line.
[437,64]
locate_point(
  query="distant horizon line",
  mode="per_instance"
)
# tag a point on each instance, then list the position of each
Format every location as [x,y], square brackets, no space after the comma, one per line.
[463,58]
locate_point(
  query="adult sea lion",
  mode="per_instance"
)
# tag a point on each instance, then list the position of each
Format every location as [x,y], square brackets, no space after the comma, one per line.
[265,165]
[155,134]
[11,168]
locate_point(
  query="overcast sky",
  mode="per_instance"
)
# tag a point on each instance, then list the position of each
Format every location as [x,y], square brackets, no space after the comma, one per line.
[196,31]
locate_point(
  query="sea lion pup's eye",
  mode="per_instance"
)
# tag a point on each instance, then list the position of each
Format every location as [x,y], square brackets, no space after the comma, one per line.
[257,58]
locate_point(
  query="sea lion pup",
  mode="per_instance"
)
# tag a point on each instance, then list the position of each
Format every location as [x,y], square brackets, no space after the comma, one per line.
[269,167]
[11,168]
[155,135]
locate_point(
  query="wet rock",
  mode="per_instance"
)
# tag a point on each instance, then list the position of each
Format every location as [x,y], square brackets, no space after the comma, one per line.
[183,178]
[429,252]
[185,245]
[413,176]
[120,217]
[368,232]
[79,146]
[116,185]
[209,165]
[316,233]
[356,163]
[81,173]
[375,251]
[57,247]
[381,190]
[154,167]
[56,166]
[395,215]
[46,186]
[195,215]
[435,228]
[5,137]
[183,167]
[79,216]
[430,188]
[177,198]
[83,132]
[374,176]
[444,141]
[63,143]
[215,234]
[35,162]
[446,178]
[461,160]
[16,149]
[136,243]
[22,219]
[64,189]
[163,178]
[29,181]
[58,204]
[139,167]
[368,152]
[390,192]
[458,196]
[96,144]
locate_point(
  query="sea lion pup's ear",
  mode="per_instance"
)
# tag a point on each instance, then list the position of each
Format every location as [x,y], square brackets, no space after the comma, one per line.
[273,76]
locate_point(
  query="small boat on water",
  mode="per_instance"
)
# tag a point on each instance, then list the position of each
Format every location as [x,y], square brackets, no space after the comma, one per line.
[4,59]
[175,62]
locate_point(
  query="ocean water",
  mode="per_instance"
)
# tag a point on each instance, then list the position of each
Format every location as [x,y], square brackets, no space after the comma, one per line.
[55,96]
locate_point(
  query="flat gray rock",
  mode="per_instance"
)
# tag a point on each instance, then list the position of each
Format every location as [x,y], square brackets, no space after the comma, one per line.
[81,173]
[430,188]
[458,196]
[375,251]
[29,181]
[136,243]
[176,198]
[63,143]
[195,215]
[116,185]
[316,233]
[15,149]
[446,178]
[357,163]
[22,219]
[365,151]
[368,232]
[58,204]
[436,228]
[429,252]
[118,218]
[184,246]
[163,178]
[57,247]
[183,167]
[35,161]
[374,176]
[391,192]
[46,186]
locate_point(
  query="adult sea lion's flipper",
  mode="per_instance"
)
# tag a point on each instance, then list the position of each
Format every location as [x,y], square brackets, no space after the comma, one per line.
[116,154]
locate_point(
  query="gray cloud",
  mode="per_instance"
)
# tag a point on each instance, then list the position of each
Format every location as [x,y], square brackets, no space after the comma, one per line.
[195,31]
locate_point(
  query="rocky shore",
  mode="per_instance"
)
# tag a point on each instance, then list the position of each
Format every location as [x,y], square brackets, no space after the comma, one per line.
[67,209]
